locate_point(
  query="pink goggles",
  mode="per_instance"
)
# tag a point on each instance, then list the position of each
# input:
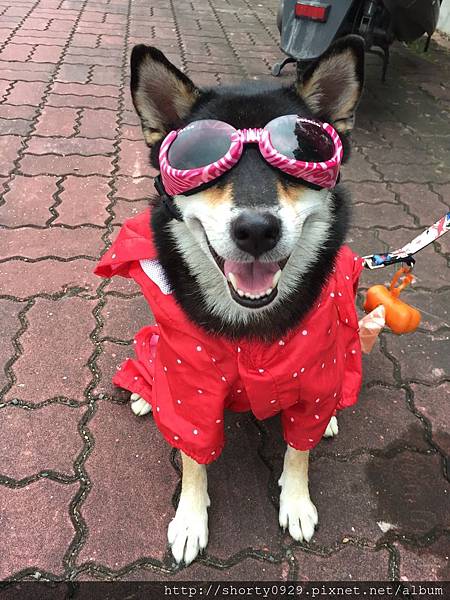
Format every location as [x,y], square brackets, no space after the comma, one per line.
[204,150]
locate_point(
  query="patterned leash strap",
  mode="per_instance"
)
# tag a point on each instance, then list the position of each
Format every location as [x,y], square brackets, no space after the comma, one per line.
[405,254]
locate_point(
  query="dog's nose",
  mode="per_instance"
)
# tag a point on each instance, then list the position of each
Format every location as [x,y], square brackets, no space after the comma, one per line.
[256,232]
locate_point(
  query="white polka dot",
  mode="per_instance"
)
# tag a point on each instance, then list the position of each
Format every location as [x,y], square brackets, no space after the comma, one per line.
[157,409]
[238,349]
[176,438]
[317,400]
[178,361]
[340,294]
[261,370]
[294,375]
[347,277]
[239,391]
[345,355]
[199,348]
[302,370]
[135,342]
[346,320]
[353,351]
[292,419]
[213,452]
[218,421]
[304,332]
[136,377]
[165,369]
[178,401]
[335,394]
[332,295]
[113,256]
[356,258]
[318,306]
[213,359]
[310,440]
[316,417]
[337,322]
[281,343]
[200,391]
[334,360]
[322,366]
[150,360]
[272,401]
[329,331]
[195,432]
[223,378]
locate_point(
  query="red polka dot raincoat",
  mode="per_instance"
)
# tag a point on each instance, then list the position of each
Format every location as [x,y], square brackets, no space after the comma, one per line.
[189,376]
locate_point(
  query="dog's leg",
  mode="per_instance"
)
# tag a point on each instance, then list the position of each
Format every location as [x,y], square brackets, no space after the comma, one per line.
[139,406]
[332,428]
[188,531]
[297,512]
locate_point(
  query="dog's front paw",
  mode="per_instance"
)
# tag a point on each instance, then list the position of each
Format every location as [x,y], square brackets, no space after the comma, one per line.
[298,515]
[332,428]
[188,531]
[139,406]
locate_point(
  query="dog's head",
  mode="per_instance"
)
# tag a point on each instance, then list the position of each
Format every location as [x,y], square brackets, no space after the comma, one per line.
[255,246]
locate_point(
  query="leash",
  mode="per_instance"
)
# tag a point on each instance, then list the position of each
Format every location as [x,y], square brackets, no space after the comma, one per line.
[405,254]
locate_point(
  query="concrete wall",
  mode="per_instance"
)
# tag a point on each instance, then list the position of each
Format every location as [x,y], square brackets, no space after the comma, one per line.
[444,17]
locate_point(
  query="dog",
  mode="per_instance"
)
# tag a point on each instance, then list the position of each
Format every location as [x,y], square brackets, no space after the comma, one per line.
[244,257]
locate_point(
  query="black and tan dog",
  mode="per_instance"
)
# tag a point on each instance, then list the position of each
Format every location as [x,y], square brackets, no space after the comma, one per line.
[307,229]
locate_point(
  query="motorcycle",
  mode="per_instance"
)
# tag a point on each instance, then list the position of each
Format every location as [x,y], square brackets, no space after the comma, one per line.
[308,27]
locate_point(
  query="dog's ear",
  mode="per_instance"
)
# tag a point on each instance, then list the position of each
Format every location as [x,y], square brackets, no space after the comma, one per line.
[162,94]
[332,86]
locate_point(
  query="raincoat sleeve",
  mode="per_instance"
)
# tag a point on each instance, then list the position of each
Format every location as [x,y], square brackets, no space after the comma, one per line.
[133,243]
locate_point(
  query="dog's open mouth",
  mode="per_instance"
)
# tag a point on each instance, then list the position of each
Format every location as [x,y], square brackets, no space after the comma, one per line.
[252,284]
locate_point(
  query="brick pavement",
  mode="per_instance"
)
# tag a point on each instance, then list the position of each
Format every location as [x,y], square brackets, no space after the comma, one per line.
[85,487]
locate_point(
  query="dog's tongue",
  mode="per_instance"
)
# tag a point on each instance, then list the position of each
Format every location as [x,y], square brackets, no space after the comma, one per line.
[252,277]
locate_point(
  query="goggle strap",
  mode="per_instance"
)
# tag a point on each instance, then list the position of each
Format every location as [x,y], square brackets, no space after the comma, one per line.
[167,201]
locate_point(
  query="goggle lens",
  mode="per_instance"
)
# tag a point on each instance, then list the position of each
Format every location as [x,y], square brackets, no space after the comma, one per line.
[200,144]
[300,139]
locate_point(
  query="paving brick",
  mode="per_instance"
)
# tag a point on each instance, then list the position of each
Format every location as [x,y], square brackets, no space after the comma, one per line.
[39,440]
[139,455]
[406,173]
[46,53]
[423,203]
[4,86]
[9,147]
[56,122]
[35,518]
[135,188]
[124,317]
[126,210]
[65,165]
[19,67]
[107,364]
[427,564]
[134,159]
[82,101]
[380,420]
[23,279]
[84,200]
[85,89]
[73,73]
[9,318]
[383,215]
[50,365]
[358,169]
[98,123]
[16,52]
[25,75]
[369,193]
[14,127]
[28,200]
[66,147]
[56,241]
[350,563]
[106,75]
[434,307]
[121,285]
[10,111]
[26,92]
[432,402]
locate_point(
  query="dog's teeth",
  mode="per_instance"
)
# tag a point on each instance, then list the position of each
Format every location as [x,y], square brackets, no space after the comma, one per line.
[276,278]
[267,292]
[233,281]
[241,293]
